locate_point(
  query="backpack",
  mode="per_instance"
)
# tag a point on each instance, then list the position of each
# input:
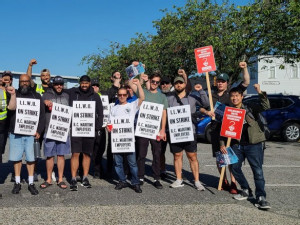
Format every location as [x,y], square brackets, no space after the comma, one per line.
[261,120]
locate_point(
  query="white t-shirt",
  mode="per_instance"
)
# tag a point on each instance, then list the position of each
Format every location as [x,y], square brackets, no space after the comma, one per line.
[128,109]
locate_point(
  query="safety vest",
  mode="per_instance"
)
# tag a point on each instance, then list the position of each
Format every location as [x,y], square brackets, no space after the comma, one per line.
[39,89]
[3,105]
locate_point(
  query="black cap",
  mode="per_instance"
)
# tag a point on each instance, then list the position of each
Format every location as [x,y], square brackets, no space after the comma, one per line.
[85,78]
[95,82]
[7,73]
[165,79]
[58,80]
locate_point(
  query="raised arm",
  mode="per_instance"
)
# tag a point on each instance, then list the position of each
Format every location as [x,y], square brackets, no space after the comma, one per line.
[246,76]
[30,65]
[136,85]
[12,103]
[145,79]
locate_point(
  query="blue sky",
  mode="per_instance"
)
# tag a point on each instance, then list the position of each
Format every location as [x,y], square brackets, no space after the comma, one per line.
[58,33]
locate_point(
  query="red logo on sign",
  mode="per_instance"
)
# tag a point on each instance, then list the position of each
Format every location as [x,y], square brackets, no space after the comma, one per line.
[205,59]
[233,121]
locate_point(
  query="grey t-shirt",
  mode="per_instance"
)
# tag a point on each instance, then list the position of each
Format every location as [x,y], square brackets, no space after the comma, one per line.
[187,100]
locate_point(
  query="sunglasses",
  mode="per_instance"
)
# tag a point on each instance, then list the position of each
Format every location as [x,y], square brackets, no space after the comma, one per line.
[163,83]
[155,82]
[58,85]
[122,95]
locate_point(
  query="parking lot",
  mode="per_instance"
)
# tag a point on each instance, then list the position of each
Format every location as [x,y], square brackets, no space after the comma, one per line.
[103,205]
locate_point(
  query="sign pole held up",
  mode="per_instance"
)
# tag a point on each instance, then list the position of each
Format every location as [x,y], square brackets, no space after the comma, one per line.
[205,61]
[223,168]
[209,94]
[232,126]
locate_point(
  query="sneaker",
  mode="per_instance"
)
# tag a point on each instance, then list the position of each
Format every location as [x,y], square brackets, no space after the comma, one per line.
[244,194]
[73,185]
[137,188]
[262,203]
[53,176]
[177,183]
[32,189]
[86,183]
[16,189]
[157,184]
[233,189]
[121,185]
[199,186]
[141,181]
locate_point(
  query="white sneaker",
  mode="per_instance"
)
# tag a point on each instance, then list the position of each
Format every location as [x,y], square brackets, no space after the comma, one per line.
[199,186]
[53,176]
[177,183]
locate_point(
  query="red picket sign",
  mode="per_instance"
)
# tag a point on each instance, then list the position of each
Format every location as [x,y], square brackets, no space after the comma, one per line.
[233,121]
[205,59]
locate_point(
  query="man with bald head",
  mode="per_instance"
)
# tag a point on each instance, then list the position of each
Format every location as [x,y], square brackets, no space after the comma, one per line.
[20,143]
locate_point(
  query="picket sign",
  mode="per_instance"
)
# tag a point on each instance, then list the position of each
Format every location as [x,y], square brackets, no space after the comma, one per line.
[205,61]
[232,126]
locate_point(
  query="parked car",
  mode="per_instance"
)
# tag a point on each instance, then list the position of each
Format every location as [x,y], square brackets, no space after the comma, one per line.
[283,117]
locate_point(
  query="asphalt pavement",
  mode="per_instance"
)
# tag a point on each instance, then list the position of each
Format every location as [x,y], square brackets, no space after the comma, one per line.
[102,204]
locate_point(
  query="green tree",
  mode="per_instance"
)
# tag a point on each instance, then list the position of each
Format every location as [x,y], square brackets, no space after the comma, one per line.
[235,32]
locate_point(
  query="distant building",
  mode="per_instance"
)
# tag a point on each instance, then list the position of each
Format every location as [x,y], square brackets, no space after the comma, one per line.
[69,80]
[275,76]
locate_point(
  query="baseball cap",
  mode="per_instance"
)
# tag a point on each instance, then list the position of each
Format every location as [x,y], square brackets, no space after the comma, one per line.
[58,80]
[7,73]
[95,82]
[85,78]
[165,79]
[179,79]
[223,76]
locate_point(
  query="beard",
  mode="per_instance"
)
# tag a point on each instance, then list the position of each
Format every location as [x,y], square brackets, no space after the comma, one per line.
[178,91]
[24,90]
[166,90]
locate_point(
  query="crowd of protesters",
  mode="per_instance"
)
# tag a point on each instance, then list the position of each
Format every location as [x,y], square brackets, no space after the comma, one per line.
[125,97]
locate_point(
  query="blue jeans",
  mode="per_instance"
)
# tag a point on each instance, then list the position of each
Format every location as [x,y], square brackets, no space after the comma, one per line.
[254,154]
[131,158]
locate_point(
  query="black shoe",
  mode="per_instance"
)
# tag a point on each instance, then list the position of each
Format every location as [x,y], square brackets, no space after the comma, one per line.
[121,185]
[0,196]
[262,203]
[16,189]
[73,185]
[137,188]
[158,185]
[141,181]
[32,189]
[86,183]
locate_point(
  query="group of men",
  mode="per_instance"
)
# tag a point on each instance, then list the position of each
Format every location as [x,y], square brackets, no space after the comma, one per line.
[126,100]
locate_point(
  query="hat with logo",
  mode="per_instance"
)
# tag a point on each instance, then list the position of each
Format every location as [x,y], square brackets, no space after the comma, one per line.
[223,76]
[58,80]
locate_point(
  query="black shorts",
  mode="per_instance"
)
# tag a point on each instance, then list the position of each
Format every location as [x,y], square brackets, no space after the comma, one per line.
[190,146]
[82,145]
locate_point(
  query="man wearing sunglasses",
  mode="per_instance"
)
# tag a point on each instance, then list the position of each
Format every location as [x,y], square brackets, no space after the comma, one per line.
[54,148]
[152,95]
